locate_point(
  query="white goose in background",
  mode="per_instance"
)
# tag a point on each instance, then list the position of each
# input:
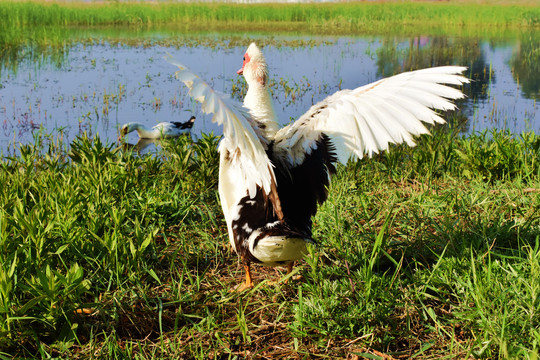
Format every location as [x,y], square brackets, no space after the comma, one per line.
[272,179]
[161,130]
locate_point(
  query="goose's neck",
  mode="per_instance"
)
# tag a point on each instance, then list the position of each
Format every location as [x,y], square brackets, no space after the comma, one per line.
[259,103]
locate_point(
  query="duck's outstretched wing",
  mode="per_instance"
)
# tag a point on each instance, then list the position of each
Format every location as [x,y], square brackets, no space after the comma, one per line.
[240,138]
[367,119]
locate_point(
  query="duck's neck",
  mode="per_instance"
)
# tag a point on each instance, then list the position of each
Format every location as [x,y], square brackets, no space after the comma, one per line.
[144,132]
[259,103]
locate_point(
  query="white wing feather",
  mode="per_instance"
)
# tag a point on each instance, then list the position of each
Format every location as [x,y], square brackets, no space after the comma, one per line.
[240,138]
[367,119]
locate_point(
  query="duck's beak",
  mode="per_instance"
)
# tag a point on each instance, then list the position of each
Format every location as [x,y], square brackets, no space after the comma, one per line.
[122,135]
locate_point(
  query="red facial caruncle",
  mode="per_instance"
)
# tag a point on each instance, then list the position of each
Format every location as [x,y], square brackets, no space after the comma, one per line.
[246,60]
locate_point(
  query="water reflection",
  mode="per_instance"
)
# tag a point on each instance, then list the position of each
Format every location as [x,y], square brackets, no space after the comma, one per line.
[395,56]
[97,87]
[526,66]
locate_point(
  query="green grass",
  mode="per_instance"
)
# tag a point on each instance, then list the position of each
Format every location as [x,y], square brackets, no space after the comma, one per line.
[349,17]
[426,252]
[40,31]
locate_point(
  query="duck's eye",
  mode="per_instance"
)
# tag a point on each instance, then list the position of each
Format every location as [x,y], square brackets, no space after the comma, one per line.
[244,58]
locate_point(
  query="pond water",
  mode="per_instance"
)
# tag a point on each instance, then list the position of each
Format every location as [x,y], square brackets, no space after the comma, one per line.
[96,87]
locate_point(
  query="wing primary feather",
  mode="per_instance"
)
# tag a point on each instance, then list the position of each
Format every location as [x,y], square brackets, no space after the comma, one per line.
[237,128]
[365,120]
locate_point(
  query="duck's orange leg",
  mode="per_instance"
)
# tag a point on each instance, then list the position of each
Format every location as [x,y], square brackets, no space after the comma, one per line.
[249,281]
[289,269]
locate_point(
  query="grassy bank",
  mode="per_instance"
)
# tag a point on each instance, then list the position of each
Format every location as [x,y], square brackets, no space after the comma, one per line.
[425,252]
[35,30]
[338,17]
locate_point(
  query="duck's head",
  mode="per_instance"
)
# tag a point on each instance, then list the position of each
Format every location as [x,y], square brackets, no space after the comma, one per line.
[126,129]
[254,67]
